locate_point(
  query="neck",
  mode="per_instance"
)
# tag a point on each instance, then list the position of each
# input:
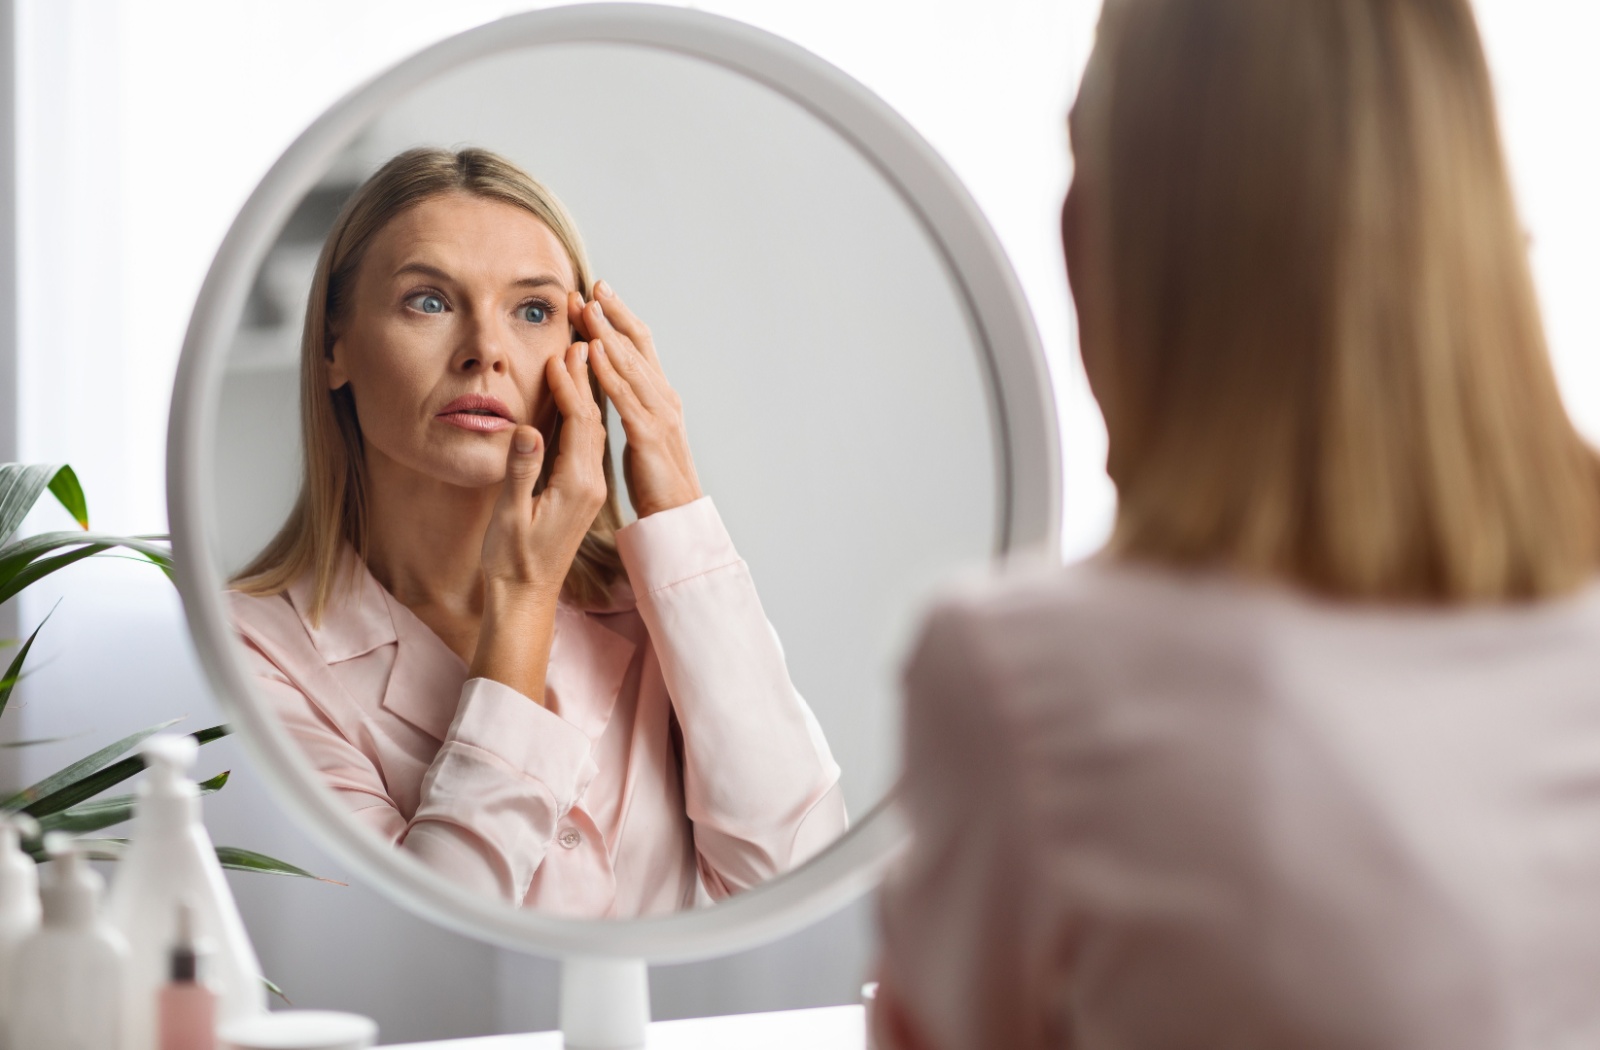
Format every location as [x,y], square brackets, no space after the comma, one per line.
[425,537]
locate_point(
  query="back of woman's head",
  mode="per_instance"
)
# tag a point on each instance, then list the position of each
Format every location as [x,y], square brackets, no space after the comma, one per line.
[1306,305]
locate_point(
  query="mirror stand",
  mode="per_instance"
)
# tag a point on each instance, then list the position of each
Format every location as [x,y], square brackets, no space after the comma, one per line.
[605,1003]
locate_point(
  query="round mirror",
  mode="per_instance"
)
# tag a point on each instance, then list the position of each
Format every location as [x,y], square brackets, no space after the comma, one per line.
[821,393]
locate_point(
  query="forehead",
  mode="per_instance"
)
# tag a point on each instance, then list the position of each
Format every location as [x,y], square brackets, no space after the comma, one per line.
[472,239]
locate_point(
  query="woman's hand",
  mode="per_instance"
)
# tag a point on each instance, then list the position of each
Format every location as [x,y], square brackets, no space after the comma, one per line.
[532,540]
[656,464]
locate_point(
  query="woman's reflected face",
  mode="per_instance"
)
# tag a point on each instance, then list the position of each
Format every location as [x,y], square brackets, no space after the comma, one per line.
[457,305]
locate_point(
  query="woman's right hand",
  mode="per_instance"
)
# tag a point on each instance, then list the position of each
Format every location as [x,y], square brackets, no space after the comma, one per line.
[532,540]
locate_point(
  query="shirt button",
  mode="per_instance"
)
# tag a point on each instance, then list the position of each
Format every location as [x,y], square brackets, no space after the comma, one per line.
[569,838]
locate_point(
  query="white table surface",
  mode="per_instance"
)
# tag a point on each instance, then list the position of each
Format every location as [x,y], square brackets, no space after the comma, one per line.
[828,1028]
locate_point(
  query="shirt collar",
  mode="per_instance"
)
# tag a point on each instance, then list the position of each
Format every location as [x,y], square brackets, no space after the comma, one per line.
[356,620]
[588,659]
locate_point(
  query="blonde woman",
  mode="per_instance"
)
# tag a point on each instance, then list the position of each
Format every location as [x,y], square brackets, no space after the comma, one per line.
[1310,757]
[491,671]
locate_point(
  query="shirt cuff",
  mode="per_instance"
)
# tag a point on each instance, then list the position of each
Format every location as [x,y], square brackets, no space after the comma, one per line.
[527,736]
[674,545]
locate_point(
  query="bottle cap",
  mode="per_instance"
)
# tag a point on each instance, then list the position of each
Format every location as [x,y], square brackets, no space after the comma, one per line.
[168,758]
[15,826]
[71,896]
[183,963]
[300,1030]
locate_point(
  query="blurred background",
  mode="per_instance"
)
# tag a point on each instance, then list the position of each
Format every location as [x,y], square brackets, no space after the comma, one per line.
[133,131]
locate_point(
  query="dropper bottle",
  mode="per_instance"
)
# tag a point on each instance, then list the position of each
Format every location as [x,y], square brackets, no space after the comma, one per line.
[186,1009]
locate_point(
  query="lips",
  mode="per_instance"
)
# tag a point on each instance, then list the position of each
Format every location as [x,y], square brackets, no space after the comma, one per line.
[479,413]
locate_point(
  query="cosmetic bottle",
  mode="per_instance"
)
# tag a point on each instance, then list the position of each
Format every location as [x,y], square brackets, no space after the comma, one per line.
[19,903]
[69,975]
[170,860]
[186,1008]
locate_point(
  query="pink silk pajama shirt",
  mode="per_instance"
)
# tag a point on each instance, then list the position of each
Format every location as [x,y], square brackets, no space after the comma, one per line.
[672,760]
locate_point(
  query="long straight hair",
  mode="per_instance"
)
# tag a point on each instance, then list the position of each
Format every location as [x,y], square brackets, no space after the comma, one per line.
[331,510]
[1315,335]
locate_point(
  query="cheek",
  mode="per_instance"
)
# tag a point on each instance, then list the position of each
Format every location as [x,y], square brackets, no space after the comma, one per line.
[533,381]
[391,374]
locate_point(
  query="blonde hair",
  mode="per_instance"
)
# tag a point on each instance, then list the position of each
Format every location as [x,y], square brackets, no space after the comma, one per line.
[1317,343]
[331,510]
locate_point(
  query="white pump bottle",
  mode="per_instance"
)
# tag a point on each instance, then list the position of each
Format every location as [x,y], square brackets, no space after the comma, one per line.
[169,861]
[69,975]
[19,903]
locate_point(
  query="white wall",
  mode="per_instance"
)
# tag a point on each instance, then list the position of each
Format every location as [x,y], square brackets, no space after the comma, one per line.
[145,125]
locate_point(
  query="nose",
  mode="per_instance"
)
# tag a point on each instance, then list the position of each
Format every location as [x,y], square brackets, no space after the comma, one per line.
[483,346]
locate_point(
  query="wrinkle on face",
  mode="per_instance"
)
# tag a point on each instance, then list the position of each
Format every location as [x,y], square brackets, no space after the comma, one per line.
[486,261]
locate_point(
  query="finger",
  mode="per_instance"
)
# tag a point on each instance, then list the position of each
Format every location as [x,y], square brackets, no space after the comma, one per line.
[570,392]
[582,434]
[624,320]
[643,376]
[523,460]
[575,305]
[616,387]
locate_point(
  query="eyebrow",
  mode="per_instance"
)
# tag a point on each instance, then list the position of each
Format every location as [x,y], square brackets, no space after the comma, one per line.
[539,281]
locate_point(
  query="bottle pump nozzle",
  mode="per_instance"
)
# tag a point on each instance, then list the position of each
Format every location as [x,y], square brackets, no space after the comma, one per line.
[71,897]
[168,758]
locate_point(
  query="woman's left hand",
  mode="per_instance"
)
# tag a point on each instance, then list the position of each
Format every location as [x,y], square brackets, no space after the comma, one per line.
[656,464]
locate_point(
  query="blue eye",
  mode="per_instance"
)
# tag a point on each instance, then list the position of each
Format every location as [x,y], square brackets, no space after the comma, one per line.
[535,313]
[427,303]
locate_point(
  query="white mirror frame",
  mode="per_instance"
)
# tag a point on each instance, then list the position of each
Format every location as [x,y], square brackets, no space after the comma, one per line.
[1022,409]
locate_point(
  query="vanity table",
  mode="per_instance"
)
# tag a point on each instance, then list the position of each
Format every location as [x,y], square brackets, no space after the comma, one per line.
[828,1028]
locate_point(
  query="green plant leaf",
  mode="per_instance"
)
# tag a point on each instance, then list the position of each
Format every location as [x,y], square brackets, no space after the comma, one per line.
[41,740]
[37,571]
[228,856]
[89,786]
[64,486]
[18,553]
[108,812]
[275,990]
[247,860]
[14,672]
[20,486]
[22,562]
[82,768]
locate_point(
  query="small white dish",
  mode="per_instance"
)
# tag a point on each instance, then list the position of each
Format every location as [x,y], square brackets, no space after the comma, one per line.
[300,1030]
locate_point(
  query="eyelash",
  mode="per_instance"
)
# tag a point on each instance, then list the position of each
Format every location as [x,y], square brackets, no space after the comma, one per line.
[418,293]
[545,304]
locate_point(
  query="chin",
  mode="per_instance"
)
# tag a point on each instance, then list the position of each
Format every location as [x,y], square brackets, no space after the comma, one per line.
[475,469]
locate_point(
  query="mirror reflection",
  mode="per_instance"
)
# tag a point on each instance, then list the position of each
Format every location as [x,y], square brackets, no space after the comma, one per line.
[575,565]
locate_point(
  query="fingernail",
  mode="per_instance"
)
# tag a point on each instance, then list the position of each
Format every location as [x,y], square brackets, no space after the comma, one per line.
[599,348]
[526,440]
[583,353]
[599,311]
[602,289]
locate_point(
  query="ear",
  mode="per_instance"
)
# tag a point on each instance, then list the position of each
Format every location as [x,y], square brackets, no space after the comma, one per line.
[337,376]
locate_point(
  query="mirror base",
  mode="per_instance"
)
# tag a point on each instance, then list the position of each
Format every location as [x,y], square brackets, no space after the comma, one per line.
[605,1003]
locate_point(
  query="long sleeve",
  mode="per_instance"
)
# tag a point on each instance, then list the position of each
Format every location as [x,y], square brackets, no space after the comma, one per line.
[760,784]
[965,941]
[505,775]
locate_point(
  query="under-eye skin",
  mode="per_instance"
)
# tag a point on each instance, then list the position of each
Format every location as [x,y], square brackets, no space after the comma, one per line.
[426,302]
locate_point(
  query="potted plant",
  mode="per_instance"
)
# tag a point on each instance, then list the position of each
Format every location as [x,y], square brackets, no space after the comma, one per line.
[73,798]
